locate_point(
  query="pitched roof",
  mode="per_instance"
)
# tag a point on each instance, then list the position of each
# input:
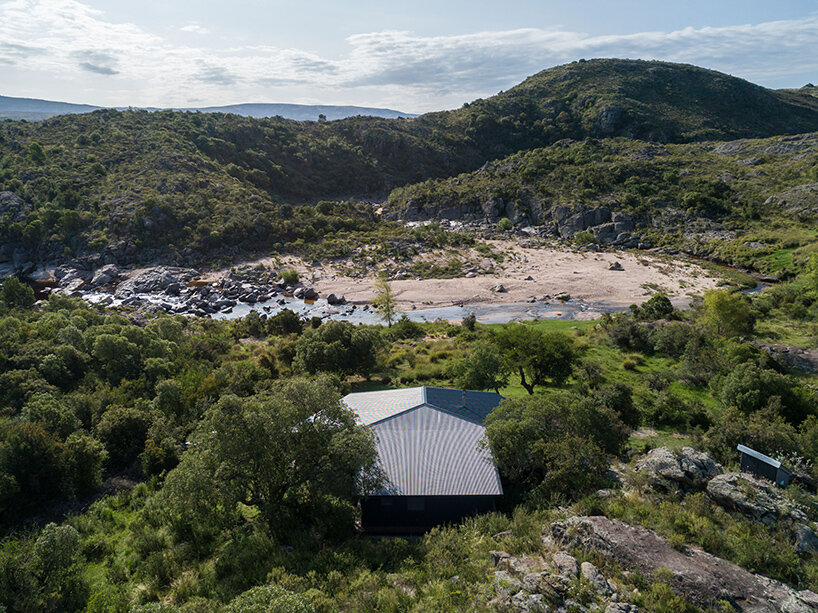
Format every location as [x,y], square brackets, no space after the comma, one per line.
[428,440]
[372,407]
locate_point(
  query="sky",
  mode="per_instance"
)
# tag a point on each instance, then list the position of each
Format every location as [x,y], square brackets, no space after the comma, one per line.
[414,56]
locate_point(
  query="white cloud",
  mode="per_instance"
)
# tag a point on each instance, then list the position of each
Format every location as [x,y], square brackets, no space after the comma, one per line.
[195,28]
[70,45]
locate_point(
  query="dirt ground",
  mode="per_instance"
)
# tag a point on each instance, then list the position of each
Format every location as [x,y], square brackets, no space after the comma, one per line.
[583,275]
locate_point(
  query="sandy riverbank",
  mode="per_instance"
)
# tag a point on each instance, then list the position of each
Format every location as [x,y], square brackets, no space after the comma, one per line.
[584,275]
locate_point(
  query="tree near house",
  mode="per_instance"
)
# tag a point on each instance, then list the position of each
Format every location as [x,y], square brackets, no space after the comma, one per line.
[537,357]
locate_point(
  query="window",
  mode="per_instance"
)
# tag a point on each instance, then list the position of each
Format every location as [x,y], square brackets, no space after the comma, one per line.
[415,503]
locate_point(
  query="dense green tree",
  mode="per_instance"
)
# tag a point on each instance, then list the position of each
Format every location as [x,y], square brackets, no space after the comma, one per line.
[750,388]
[118,357]
[656,307]
[123,430]
[532,439]
[727,314]
[537,357]
[284,323]
[31,462]
[51,414]
[619,398]
[14,293]
[296,454]
[84,460]
[482,369]
[339,347]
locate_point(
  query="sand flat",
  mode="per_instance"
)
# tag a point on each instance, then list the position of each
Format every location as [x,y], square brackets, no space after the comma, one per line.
[584,275]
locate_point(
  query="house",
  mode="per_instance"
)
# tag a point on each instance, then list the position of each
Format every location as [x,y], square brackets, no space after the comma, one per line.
[428,442]
[764,466]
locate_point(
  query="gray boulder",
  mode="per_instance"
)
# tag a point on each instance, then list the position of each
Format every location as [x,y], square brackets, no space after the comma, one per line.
[756,498]
[591,573]
[105,275]
[806,541]
[697,576]
[155,280]
[566,564]
[73,287]
[621,607]
[683,469]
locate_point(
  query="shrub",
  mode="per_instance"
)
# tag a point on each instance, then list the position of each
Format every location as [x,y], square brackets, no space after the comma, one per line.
[290,277]
[505,224]
[584,238]
[269,599]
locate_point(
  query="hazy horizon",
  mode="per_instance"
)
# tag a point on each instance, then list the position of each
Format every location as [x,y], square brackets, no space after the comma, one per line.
[419,58]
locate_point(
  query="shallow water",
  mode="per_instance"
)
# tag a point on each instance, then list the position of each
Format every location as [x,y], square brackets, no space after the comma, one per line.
[363,314]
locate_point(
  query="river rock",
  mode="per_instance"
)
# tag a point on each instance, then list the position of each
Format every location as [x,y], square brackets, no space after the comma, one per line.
[73,287]
[683,469]
[499,289]
[334,300]
[155,280]
[105,275]
[756,498]
[616,266]
[700,577]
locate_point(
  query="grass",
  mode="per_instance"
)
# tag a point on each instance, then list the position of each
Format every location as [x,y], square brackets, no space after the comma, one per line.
[664,437]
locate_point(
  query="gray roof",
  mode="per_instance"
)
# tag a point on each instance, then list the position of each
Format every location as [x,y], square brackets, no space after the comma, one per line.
[428,440]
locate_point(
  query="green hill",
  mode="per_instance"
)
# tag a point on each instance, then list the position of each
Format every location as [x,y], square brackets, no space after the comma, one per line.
[701,197]
[177,181]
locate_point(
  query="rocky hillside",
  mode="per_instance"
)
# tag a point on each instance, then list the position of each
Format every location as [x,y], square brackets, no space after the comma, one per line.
[628,192]
[172,181]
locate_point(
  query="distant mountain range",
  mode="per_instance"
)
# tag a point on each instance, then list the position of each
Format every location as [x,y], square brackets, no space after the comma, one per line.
[32,109]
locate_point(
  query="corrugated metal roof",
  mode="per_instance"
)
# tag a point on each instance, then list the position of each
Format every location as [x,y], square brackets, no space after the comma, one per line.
[372,407]
[429,452]
[428,440]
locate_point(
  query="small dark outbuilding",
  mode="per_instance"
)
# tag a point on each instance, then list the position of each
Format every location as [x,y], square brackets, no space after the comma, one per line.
[764,466]
[429,446]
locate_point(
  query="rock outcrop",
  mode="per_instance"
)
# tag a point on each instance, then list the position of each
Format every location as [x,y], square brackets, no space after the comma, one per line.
[753,497]
[697,576]
[684,469]
[529,583]
[155,280]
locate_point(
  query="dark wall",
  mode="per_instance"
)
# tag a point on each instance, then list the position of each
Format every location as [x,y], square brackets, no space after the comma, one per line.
[410,514]
[749,464]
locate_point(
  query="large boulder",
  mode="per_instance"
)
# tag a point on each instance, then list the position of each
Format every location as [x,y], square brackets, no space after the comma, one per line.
[105,276]
[684,469]
[756,498]
[806,541]
[154,280]
[697,576]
